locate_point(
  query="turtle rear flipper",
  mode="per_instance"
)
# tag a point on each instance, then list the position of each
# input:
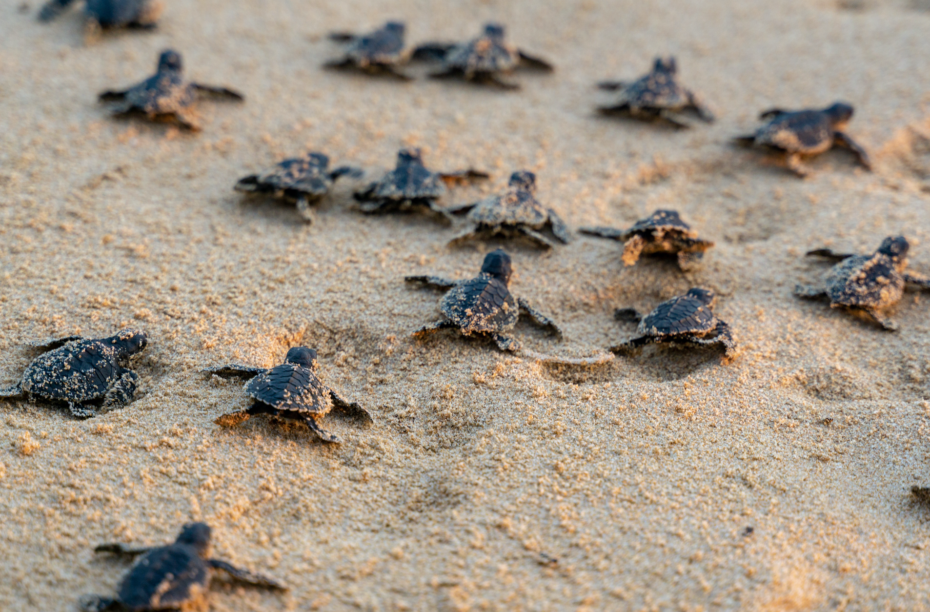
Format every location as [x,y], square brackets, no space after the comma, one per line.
[536,63]
[304,209]
[52,9]
[54,343]
[112,95]
[610,233]
[321,433]
[343,37]
[431,51]
[432,281]
[674,119]
[612,85]
[746,140]
[82,411]
[913,278]
[559,228]
[122,550]
[887,323]
[218,92]
[722,335]
[342,63]
[696,104]
[632,249]
[98,603]
[536,237]
[538,318]
[351,408]
[349,171]
[456,209]
[245,576]
[12,392]
[508,344]
[628,315]
[771,113]
[434,327]
[248,184]
[810,291]
[123,390]
[843,139]
[234,369]
[829,254]
[689,259]
[464,176]
[633,344]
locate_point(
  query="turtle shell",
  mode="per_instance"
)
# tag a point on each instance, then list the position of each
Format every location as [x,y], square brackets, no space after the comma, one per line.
[865,281]
[297,176]
[111,13]
[383,46]
[78,372]
[807,131]
[515,207]
[291,387]
[657,90]
[164,93]
[411,181]
[482,55]
[661,221]
[680,315]
[165,578]
[483,304]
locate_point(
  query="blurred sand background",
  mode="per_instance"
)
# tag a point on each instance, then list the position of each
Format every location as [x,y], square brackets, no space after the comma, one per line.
[642,478]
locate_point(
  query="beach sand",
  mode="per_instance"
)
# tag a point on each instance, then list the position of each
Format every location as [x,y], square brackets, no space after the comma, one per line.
[670,480]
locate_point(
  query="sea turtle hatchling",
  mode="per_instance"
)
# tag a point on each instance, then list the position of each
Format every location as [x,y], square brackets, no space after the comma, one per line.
[106,14]
[661,232]
[82,373]
[516,211]
[410,186]
[165,96]
[483,305]
[481,60]
[797,134]
[291,391]
[378,52]
[867,284]
[303,179]
[656,95]
[686,320]
[172,577]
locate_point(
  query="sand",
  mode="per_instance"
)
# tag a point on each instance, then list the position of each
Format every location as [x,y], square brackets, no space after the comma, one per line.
[664,481]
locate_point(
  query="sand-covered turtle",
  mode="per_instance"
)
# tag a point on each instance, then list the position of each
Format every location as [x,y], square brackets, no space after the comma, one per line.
[172,577]
[166,96]
[662,232]
[378,52]
[516,211]
[483,305]
[656,95]
[867,284]
[804,133]
[106,14]
[411,186]
[85,374]
[687,320]
[481,60]
[303,180]
[290,391]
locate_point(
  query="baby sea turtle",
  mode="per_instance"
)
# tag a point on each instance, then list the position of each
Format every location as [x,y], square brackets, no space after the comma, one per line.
[379,52]
[302,179]
[656,95]
[411,185]
[804,133]
[482,60]
[291,390]
[483,305]
[661,232]
[166,96]
[686,320]
[105,14]
[83,373]
[172,577]
[516,211]
[867,284]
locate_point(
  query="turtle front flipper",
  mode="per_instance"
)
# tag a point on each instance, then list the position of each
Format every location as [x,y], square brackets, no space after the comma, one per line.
[610,233]
[687,260]
[632,345]
[245,576]
[559,228]
[771,114]
[342,63]
[98,603]
[536,237]
[54,343]
[536,63]
[349,171]
[234,369]
[887,323]
[460,176]
[324,435]
[913,278]
[122,550]
[746,140]
[612,85]
[247,184]
[52,9]
[304,210]
[696,104]
[456,209]
[843,139]
[434,327]
[674,119]
[464,237]
[351,408]
[829,254]
[722,335]
[508,344]
[185,119]
[539,318]
[810,291]
[81,411]
[632,249]
[218,92]
[12,392]
[123,390]
[432,281]
[342,37]
[112,96]
[431,51]
[794,163]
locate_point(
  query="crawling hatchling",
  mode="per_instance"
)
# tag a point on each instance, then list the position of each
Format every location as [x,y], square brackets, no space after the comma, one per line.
[686,320]
[166,96]
[515,212]
[106,14]
[481,60]
[656,95]
[412,186]
[172,577]
[303,180]
[378,52]
[85,374]
[662,232]
[291,391]
[867,284]
[805,133]
[483,305]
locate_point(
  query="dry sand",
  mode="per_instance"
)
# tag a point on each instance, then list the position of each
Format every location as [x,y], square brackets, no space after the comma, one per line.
[642,478]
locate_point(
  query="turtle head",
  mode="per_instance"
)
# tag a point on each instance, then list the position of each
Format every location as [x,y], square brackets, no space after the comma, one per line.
[497,264]
[302,356]
[494,31]
[130,341]
[410,155]
[668,65]
[839,113]
[395,27]
[197,536]
[895,247]
[523,179]
[704,296]
[169,60]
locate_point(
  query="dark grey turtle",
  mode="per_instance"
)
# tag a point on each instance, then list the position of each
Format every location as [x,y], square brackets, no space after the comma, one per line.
[661,232]
[105,14]
[85,374]
[166,96]
[516,211]
[291,391]
[379,52]
[411,185]
[483,305]
[301,179]
[657,95]
[482,60]
[686,320]
[798,134]
[867,284]
[172,577]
